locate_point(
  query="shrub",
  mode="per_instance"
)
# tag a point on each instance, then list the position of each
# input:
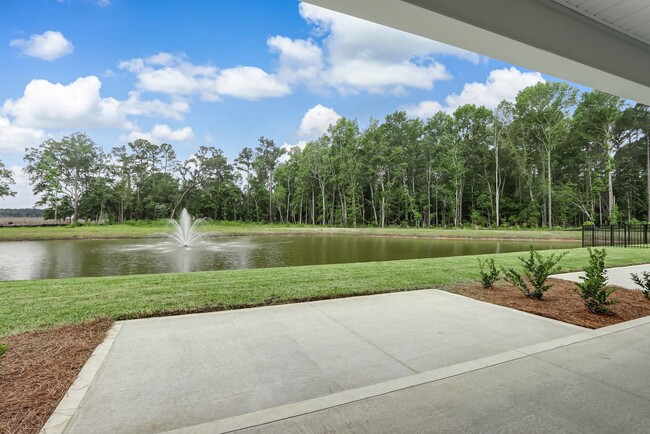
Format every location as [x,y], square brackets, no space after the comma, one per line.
[643,282]
[536,270]
[592,289]
[489,276]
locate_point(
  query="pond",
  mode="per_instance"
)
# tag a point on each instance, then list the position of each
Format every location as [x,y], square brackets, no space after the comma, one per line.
[79,258]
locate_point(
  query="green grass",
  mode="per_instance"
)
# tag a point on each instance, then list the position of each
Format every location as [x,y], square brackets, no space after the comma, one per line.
[144,230]
[37,304]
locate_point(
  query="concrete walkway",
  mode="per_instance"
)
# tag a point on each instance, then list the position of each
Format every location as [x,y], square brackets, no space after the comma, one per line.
[617,276]
[416,361]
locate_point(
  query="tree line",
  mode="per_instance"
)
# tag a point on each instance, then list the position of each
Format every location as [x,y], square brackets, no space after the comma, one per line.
[21,212]
[550,158]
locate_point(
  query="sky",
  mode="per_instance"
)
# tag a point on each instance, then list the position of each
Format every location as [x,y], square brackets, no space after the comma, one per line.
[217,73]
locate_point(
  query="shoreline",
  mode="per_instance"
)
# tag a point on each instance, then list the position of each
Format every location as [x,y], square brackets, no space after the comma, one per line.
[439,234]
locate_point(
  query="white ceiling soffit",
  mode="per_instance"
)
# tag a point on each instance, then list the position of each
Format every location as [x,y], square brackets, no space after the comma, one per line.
[549,36]
[631,17]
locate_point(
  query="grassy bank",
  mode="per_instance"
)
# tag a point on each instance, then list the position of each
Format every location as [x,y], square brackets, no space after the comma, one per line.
[233,229]
[37,304]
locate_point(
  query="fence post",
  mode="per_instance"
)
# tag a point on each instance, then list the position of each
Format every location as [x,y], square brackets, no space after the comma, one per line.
[624,235]
[645,233]
[593,236]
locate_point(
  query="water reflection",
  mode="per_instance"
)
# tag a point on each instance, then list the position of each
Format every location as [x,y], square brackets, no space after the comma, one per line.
[77,258]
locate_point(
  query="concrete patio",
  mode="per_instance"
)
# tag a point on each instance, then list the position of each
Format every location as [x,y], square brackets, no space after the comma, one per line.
[403,362]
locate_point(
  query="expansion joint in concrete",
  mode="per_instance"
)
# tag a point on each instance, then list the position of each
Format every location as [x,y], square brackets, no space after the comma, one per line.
[364,339]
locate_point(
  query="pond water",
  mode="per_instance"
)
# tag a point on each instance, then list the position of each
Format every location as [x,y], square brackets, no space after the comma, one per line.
[77,258]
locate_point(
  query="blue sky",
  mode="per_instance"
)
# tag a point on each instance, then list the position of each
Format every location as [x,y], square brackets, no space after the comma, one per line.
[219,73]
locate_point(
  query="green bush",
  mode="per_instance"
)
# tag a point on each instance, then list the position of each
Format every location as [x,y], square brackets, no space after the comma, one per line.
[592,289]
[489,276]
[536,270]
[643,282]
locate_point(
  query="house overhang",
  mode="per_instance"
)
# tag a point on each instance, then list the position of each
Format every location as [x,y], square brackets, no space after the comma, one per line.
[550,36]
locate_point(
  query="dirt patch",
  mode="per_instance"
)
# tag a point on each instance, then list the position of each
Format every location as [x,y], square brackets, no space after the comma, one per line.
[561,302]
[39,367]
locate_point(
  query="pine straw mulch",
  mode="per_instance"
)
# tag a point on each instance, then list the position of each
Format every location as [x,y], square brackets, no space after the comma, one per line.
[561,302]
[39,367]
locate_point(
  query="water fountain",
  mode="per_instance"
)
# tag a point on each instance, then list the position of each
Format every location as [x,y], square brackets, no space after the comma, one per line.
[185,233]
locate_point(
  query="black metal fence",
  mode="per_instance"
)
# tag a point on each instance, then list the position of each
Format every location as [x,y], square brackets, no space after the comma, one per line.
[615,236]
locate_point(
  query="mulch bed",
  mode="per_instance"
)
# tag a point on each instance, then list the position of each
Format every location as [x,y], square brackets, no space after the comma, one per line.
[561,302]
[39,367]
[37,370]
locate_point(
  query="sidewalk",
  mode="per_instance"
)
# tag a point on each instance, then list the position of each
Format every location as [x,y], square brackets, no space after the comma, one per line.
[617,276]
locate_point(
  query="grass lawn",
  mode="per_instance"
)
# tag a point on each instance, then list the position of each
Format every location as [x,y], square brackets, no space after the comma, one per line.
[38,304]
[238,228]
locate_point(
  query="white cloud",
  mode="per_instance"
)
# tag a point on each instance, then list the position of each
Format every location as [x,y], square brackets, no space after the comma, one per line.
[55,105]
[80,105]
[247,82]
[47,46]
[24,197]
[346,54]
[349,35]
[288,148]
[501,84]
[314,124]
[15,139]
[364,56]
[108,73]
[161,133]
[423,109]
[168,80]
[134,105]
[316,121]
[174,75]
[300,60]
[378,77]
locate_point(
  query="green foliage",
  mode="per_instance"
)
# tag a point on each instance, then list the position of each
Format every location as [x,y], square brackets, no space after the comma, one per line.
[64,169]
[592,289]
[545,160]
[536,270]
[489,276]
[5,181]
[3,349]
[643,281]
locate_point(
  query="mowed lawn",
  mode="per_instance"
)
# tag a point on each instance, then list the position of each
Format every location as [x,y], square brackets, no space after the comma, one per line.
[158,228]
[38,304]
